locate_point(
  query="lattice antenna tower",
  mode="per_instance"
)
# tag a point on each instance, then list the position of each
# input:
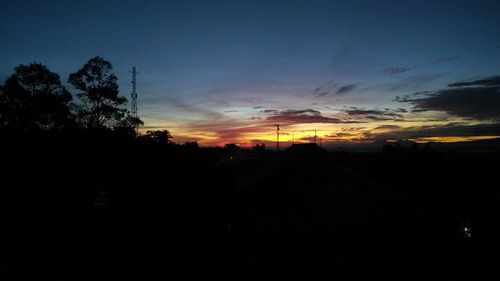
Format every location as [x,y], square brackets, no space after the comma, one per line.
[134,93]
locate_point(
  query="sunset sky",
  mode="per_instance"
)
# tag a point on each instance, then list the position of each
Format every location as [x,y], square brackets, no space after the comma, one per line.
[228,71]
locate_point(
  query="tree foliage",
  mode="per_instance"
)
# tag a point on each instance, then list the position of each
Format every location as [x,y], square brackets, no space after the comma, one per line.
[159,136]
[34,98]
[98,93]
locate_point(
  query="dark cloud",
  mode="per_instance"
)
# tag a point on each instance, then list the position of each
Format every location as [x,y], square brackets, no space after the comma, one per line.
[387,127]
[324,89]
[396,70]
[292,116]
[487,82]
[269,111]
[418,110]
[447,130]
[341,134]
[257,107]
[230,111]
[360,111]
[373,114]
[380,118]
[345,89]
[478,99]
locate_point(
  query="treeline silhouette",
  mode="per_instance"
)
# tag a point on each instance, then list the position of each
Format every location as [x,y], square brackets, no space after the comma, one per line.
[87,198]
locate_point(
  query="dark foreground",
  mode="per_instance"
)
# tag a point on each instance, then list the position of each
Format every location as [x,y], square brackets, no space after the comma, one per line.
[118,210]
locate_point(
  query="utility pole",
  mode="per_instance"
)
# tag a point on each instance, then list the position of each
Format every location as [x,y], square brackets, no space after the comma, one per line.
[315,139]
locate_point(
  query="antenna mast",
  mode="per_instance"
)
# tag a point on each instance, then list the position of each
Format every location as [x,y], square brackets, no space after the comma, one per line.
[134,94]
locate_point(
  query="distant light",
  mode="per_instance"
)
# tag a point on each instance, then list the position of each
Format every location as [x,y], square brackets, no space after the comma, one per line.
[467,232]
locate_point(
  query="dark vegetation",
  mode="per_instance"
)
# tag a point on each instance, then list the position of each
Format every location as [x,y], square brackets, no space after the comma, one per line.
[85,198]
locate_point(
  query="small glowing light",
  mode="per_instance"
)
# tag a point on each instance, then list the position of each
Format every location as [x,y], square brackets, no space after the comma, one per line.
[467,232]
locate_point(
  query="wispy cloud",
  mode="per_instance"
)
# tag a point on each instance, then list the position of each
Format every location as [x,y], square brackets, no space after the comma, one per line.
[345,89]
[414,82]
[443,60]
[402,69]
[396,70]
[374,114]
[292,116]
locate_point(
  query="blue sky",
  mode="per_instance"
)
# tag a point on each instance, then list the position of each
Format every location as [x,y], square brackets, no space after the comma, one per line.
[206,66]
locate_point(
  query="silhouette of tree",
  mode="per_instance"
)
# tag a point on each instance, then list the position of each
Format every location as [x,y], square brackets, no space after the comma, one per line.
[159,136]
[99,94]
[231,146]
[15,106]
[33,97]
[191,145]
[129,121]
[127,126]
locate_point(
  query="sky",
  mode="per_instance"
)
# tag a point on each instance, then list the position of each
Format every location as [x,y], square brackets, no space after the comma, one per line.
[221,72]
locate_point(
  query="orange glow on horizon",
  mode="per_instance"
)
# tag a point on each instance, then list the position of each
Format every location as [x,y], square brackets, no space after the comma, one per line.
[453,139]
[248,136]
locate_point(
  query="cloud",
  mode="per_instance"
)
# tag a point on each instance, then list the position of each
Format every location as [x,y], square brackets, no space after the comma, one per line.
[373,114]
[185,109]
[446,130]
[360,111]
[443,60]
[402,69]
[269,111]
[487,82]
[318,88]
[258,107]
[239,132]
[345,89]
[324,89]
[414,82]
[396,70]
[388,127]
[478,99]
[292,116]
